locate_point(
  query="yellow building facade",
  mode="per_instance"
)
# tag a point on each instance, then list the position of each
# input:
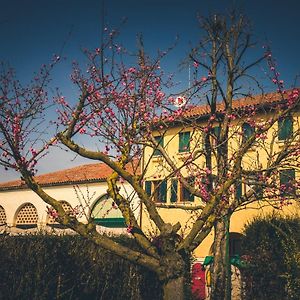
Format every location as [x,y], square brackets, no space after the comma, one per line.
[183,143]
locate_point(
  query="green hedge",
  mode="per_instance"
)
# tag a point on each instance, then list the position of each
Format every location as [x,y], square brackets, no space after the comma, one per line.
[272,246]
[69,267]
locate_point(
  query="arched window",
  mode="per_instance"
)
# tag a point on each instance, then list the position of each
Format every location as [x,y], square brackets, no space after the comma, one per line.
[106,213]
[2,216]
[27,217]
[67,208]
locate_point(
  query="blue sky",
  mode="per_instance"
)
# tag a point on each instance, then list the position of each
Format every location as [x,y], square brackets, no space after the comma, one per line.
[32,31]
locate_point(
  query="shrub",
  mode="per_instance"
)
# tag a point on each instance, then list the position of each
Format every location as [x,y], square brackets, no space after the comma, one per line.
[272,244]
[69,267]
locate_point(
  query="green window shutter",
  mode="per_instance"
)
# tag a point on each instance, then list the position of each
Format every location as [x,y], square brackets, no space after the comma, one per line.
[247,131]
[159,140]
[192,182]
[287,175]
[238,189]
[187,196]
[184,141]
[148,185]
[174,187]
[162,192]
[285,128]
[217,131]
[259,192]
[286,181]
[255,185]
[215,136]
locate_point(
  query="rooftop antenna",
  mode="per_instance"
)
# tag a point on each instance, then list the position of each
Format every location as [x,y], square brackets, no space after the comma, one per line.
[189,84]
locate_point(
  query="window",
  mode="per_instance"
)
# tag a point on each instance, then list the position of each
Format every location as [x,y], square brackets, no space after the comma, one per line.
[174,190]
[106,213]
[216,131]
[287,178]
[215,134]
[148,188]
[159,140]
[67,207]
[51,220]
[212,136]
[27,216]
[185,194]
[157,188]
[253,183]
[248,130]
[235,240]
[184,141]
[238,189]
[2,216]
[285,128]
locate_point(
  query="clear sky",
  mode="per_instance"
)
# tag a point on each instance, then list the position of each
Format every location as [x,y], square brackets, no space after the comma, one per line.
[31,31]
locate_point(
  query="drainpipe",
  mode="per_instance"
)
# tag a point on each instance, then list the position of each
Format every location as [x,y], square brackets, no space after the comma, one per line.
[142,172]
[227,257]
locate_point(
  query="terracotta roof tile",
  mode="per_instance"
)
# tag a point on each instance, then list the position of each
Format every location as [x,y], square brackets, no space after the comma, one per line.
[257,100]
[82,174]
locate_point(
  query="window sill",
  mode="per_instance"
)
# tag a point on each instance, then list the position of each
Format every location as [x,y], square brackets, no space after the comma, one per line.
[158,204]
[183,155]
[157,158]
[26,226]
[252,149]
[282,143]
[175,204]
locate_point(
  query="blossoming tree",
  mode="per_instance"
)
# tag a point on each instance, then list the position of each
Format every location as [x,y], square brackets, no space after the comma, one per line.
[122,107]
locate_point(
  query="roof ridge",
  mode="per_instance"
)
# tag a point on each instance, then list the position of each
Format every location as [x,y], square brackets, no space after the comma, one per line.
[240,103]
[87,173]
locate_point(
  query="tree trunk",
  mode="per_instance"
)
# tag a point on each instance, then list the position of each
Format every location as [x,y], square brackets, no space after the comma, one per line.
[220,270]
[174,289]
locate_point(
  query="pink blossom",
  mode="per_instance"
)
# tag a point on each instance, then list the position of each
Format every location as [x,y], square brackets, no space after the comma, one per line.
[132,70]
[52,212]
[129,229]
[207,171]
[82,130]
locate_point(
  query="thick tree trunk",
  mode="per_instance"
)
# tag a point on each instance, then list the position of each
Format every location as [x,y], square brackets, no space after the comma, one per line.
[174,289]
[220,270]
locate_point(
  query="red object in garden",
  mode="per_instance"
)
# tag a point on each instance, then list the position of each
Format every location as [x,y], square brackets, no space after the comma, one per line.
[198,281]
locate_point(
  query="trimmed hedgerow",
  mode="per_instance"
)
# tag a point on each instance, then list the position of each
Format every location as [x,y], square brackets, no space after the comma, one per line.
[272,245]
[69,267]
